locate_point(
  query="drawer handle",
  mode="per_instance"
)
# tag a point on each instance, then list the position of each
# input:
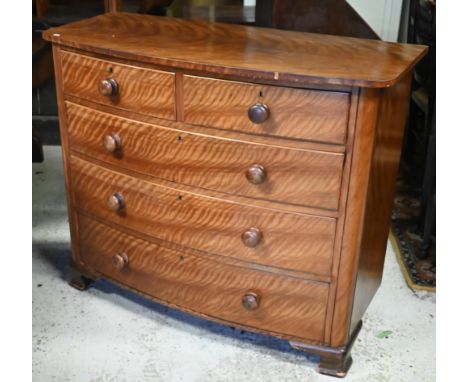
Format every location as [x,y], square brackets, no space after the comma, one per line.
[251,301]
[258,113]
[112,143]
[116,202]
[256,174]
[109,87]
[252,237]
[120,260]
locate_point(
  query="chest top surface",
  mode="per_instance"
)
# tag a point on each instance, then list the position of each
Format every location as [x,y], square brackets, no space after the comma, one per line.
[253,53]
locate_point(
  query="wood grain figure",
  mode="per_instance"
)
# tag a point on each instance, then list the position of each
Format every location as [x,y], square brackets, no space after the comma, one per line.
[293,113]
[300,177]
[206,224]
[252,53]
[241,174]
[145,91]
[208,287]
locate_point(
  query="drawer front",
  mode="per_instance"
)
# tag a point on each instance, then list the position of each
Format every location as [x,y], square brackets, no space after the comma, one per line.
[275,303]
[292,113]
[139,90]
[254,170]
[259,235]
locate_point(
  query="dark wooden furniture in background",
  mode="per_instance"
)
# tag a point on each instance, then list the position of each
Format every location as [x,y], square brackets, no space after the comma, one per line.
[334,17]
[42,71]
[190,182]
[419,149]
[47,14]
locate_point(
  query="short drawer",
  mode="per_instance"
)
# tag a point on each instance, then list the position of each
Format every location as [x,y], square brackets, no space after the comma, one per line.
[275,173]
[274,111]
[237,295]
[132,88]
[246,232]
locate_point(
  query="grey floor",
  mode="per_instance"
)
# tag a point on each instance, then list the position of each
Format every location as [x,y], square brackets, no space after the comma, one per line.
[109,334]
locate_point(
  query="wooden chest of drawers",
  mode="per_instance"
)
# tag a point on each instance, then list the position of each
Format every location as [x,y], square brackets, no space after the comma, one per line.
[244,175]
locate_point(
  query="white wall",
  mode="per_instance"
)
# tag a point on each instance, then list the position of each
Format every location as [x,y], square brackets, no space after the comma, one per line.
[383,16]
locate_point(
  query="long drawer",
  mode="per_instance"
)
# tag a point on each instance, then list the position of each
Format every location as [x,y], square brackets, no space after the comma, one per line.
[275,173]
[276,111]
[254,234]
[238,295]
[132,88]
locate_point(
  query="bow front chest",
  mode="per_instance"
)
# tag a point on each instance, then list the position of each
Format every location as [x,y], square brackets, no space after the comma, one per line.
[241,174]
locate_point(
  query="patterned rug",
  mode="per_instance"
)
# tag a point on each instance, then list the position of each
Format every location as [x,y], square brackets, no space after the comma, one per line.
[420,274]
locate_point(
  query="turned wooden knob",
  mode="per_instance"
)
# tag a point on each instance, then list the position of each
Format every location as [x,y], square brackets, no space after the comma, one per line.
[252,237]
[109,87]
[115,202]
[250,301]
[120,260]
[258,113]
[112,143]
[256,174]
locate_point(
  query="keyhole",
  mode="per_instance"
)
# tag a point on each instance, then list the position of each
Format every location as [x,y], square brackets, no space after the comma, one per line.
[179,138]
[180,197]
[110,69]
[260,94]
